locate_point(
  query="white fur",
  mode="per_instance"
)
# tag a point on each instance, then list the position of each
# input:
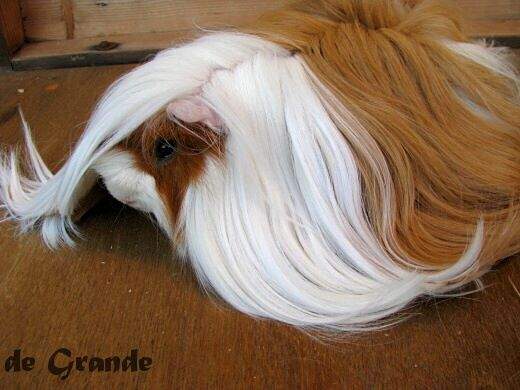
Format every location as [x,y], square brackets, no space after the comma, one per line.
[278,228]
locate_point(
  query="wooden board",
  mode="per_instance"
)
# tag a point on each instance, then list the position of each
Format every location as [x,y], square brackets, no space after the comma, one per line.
[43,20]
[60,19]
[489,9]
[81,52]
[11,28]
[490,18]
[120,289]
[97,18]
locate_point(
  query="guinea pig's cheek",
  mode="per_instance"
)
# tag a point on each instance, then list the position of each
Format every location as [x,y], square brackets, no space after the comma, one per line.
[134,193]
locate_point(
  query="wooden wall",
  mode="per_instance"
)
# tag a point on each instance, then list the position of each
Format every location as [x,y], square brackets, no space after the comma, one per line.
[43,20]
[11,29]
[62,19]
[492,17]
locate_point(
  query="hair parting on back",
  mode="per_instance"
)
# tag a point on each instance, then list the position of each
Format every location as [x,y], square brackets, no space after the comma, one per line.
[372,156]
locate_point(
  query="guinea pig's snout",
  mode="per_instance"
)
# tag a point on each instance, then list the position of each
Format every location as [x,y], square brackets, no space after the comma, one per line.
[121,190]
[127,183]
[133,188]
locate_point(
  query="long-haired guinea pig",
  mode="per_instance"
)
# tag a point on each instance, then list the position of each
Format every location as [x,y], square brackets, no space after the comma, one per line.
[324,167]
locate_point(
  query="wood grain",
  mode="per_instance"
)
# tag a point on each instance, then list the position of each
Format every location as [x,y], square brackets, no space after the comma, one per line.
[43,20]
[490,10]
[11,28]
[122,17]
[67,8]
[78,52]
[121,289]
[488,18]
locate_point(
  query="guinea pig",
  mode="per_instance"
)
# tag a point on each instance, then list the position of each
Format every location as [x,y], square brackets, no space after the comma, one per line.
[324,167]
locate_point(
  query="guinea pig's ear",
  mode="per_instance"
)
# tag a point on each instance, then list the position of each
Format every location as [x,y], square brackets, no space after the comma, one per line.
[192,110]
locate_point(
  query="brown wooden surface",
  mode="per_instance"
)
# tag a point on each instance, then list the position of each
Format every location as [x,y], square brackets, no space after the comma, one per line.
[123,17]
[52,19]
[491,17]
[79,52]
[11,28]
[43,20]
[120,289]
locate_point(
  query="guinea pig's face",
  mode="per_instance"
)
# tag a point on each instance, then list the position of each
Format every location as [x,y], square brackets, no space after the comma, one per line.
[152,169]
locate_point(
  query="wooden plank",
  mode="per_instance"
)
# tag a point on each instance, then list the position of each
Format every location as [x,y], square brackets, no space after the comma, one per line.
[490,9]
[494,28]
[496,18]
[120,289]
[68,16]
[82,52]
[97,18]
[11,28]
[43,20]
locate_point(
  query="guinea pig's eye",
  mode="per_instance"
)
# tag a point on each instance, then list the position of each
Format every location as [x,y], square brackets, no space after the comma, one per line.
[165,149]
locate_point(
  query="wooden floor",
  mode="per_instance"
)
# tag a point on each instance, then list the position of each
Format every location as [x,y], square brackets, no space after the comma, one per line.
[120,290]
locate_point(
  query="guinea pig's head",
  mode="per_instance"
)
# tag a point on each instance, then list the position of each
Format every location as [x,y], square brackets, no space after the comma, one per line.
[324,169]
[153,167]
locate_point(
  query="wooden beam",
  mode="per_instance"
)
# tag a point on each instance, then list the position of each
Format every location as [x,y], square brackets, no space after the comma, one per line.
[11,29]
[68,16]
[115,49]
[44,20]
